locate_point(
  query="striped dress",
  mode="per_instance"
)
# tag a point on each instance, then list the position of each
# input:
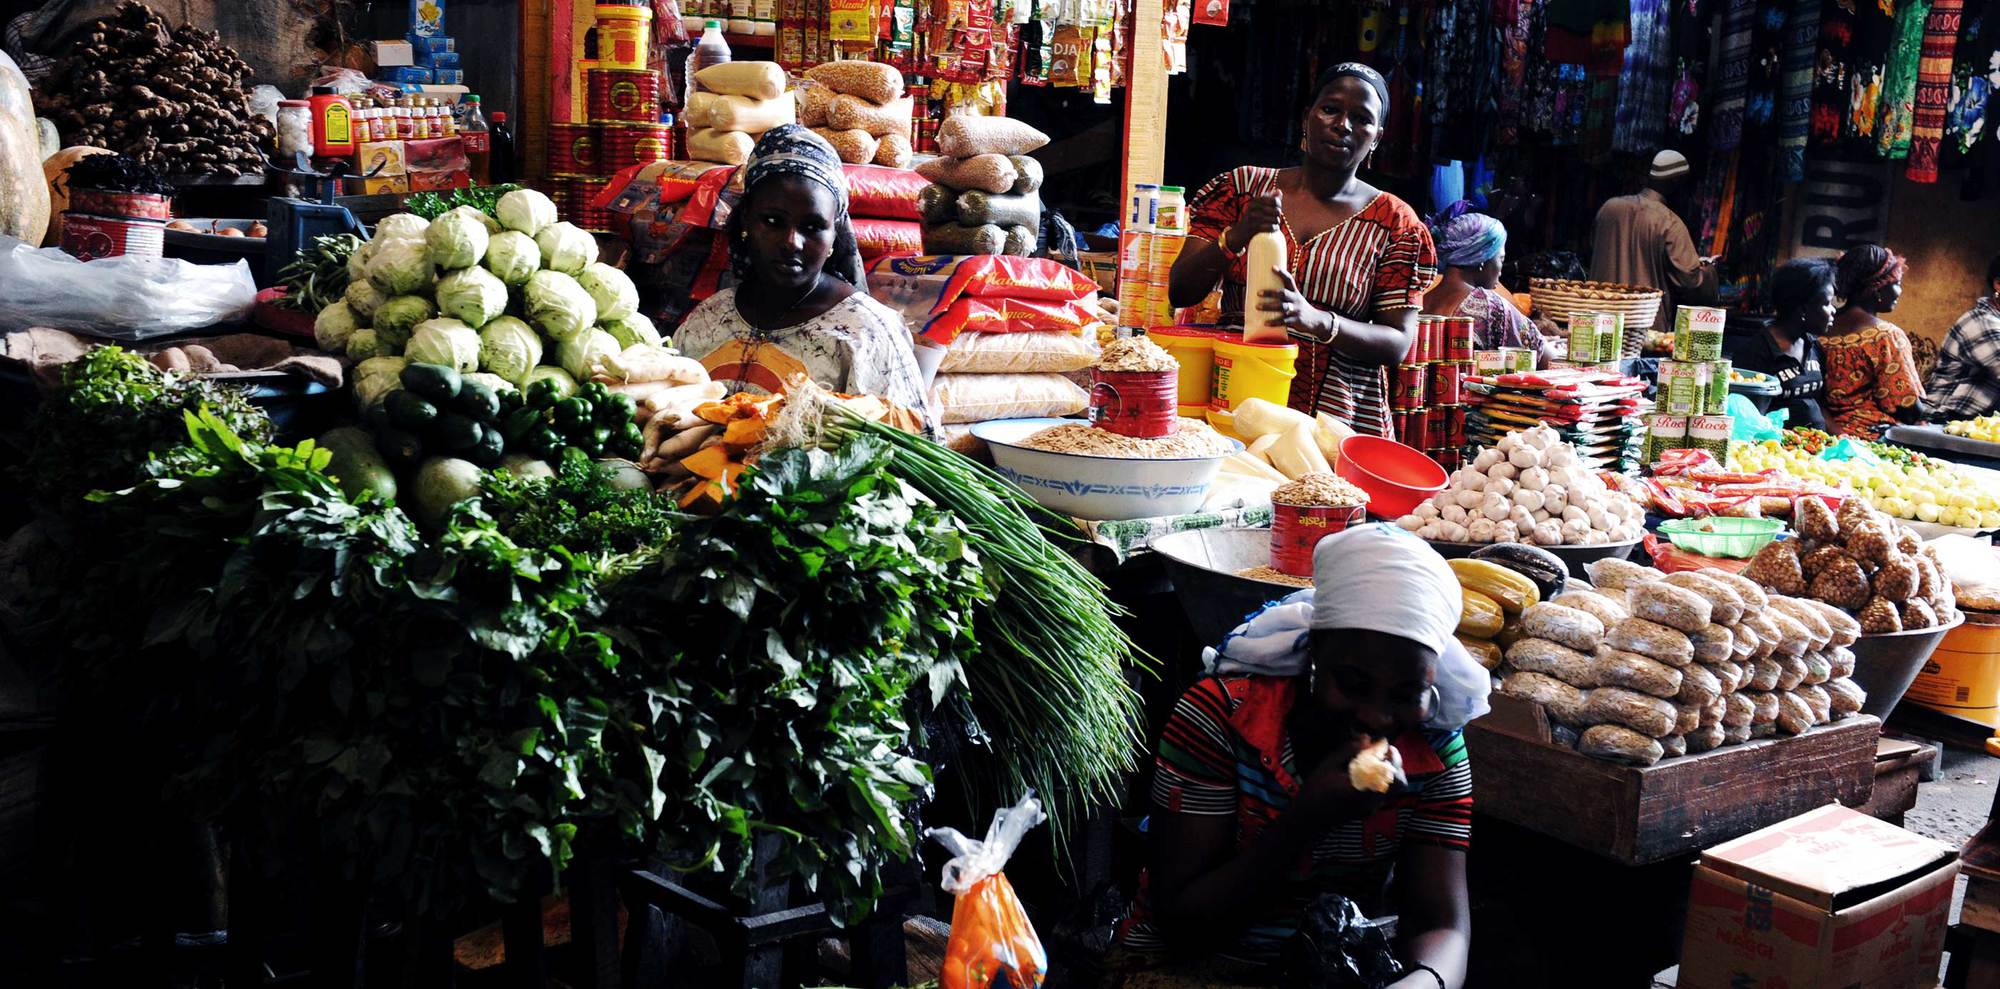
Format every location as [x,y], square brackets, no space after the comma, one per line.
[1225,753]
[1366,267]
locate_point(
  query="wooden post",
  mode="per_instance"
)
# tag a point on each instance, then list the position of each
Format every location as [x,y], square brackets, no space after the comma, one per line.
[531,133]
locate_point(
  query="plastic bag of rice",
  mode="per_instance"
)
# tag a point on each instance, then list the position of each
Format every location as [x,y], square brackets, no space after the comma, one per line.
[979,397]
[1018,353]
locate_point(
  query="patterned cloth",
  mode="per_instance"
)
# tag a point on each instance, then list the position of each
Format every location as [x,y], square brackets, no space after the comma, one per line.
[1874,41]
[1647,82]
[1871,374]
[1372,264]
[1899,87]
[1933,97]
[1837,25]
[859,347]
[1975,75]
[1795,115]
[1497,322]
[1733,75]
[1225,752]
[1966,383]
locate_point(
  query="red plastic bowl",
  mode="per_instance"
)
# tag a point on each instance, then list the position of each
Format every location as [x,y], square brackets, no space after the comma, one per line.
[1397,478]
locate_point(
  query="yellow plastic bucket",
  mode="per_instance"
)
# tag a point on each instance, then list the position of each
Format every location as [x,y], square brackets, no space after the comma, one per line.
[1245,371]
[1962,678]
[1195,350]
[624,33]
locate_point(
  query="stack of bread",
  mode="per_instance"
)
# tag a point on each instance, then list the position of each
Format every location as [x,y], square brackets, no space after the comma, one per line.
[860,109]
[737,103]
[986,193]
[1646,664]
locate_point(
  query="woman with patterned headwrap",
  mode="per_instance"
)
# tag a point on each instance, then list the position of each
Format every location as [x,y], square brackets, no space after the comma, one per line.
[1871,372]
[800,304]
[1471,248]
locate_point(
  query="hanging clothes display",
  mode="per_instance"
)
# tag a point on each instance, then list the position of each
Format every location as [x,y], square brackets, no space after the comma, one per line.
[1795,101]
[1462,77]
[1767,73]
[1732,75]
[1513,17]
[1556,92]
[1403,144]
[1874,39]
[1690,34]
[1838,23]
[1975,74]
[1899,84]
[1933,89]
[1646,84]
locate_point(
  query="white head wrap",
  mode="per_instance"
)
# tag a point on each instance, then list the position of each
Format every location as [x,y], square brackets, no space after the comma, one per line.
[1380,578]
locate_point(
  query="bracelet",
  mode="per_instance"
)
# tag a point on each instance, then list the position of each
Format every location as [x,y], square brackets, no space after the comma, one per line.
[1222,244]
[1433,973]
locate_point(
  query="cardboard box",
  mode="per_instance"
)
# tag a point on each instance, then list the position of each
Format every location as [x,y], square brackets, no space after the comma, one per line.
[439,60]
[384,184]
[437,163]
[449,77]
[1830,899]
[381,158]
[413,74]
[391,54]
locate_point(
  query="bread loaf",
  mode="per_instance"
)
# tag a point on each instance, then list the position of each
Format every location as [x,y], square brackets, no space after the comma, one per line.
[1619,744]
[1846,697]
[1754,598]
[1619,575]
[1713,643]
[1563,702]
[1725,605]
[1605,610]
[1649,716]
[1698,685]
[1795,716]
[1615,668]
[1550,659]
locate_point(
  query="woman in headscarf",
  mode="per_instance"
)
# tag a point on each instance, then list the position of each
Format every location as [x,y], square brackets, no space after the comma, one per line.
[1790,348]
[800,304]
[1360,259]
[1471,248]
[1871,372]
[1256,812]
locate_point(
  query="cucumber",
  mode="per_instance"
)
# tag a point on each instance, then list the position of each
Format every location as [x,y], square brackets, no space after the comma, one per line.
[486,452]
[433,381]
[356,465]
[409,410]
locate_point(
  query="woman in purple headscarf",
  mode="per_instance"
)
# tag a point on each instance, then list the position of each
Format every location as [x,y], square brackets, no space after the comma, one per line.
[1471,248]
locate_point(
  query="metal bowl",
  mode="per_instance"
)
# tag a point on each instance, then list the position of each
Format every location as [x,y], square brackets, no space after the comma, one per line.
[1203,565]
[1089,487]
[1574,556]
[1885,665]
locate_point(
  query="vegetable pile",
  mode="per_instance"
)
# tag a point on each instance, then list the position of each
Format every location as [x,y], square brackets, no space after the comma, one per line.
[168,97]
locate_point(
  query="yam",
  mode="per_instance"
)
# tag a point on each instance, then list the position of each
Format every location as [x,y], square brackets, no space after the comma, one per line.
[721,147]
[975,207]
[956,238]
[753,117]
[894,151]
[964,135]
[996,174]
[876,82]
[854,113]
[855,147]
[756,80]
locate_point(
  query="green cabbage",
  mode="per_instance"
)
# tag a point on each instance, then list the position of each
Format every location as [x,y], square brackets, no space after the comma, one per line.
[583,355]
[566,247]
[406,226]
[371,389]
[444,341]
[395,318]
[499,384]
[558,306]
[364,344]
[401,267]
[526,210]
[392,366]
[456,241]
[357,262]
[364,299]
[334,326]
[612,289]
[565,385]
[509,348]
[472,295]
[633,328]
[513,257]
[479,216]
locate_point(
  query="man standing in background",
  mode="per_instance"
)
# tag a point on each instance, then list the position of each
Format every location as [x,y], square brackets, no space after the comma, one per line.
[1641,241]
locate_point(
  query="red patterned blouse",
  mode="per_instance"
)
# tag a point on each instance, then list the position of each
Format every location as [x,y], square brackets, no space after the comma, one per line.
[1369,265]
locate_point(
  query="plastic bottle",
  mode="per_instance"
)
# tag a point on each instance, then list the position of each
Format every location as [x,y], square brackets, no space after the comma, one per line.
[712,49]
[332,123]
[1262,258]
[478,140]
[1170,227]
[502,165]
[1135,252]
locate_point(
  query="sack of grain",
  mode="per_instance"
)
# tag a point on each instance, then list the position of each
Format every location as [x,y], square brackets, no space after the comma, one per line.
[756,80]
[1018,353]
[887,238]
[814,100]
[722,147]
[895,150]
[986,173]
[753,117]
[964,136]
[979,397]
[876,82]
[855,113]
[855,147]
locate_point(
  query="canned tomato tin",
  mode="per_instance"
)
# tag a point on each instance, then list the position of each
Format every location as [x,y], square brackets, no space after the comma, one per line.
[1411,386]
[1448,457]
[1141,404]
[126,205]
[1456,344]
[624,95]
[1415,353]
[572,149]
[1296,529]
[1446,383]
[1399,424]
[88,238]
[1418,434]
[581,192]
[624,145]
[1438,425]
[1454,426]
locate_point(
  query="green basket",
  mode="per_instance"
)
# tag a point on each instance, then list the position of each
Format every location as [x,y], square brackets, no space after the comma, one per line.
[1723,536]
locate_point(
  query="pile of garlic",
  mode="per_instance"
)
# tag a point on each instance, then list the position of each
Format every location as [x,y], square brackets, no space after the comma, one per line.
[1531,488]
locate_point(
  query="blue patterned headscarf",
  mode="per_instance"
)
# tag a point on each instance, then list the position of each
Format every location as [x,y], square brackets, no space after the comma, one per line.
[789,149]
[1466,239]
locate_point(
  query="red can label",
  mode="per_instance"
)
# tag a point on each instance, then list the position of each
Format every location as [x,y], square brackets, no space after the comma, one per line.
[88,238]
[1410,386]
[1296,529]
[1448,457]
[1399,424]
[1419,430]
[1136,403]
[1445,383]
[1457,342]
[131,205]
[1454,425]
[1439,424]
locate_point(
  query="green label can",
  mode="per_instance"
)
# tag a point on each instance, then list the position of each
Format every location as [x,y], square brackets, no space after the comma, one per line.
[1683,388]
[1663,433]
[1698,333]
[1711,433]
[1718,387]
[1517,360]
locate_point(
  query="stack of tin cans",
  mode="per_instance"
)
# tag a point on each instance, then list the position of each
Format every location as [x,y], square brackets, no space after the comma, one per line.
[624,129]
[1427,390]
[1691,407]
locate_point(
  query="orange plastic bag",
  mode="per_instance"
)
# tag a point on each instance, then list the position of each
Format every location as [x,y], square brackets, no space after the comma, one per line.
[990,933]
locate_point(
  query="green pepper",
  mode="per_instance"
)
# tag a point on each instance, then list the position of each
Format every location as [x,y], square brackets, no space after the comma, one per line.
[545,442]
[616,409]
[522,422]
[544,392]
[572,413]
[598,439]
[510,399]
[594,392]
[630,434]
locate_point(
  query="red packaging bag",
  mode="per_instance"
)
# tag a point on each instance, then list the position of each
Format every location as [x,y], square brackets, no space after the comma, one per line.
[990,932]
[1009,316]
[887,238]
[1014,278]
[878,192]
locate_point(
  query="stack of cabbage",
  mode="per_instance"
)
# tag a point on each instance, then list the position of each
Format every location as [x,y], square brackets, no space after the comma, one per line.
[522,297]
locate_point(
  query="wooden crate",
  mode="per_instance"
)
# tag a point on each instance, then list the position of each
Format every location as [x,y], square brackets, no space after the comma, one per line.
[1636,815]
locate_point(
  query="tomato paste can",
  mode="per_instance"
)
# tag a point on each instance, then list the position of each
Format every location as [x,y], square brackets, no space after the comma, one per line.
[1454,426]
[1456,342]
[125,205]
[88,237]
[582,191]
[1399,424]
[1439,423]
[621,146]
[1446,383]
[1296,529]
[1418,430]
[572,149]
[631,96]
[1448,457]
[1143,404]
[1411,386]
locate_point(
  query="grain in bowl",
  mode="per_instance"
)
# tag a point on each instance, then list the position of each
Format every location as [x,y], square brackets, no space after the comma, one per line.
[1136,355]
[1194,439]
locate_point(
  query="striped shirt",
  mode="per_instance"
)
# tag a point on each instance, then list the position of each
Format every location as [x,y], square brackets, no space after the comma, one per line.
[1371,264]
[1225,752]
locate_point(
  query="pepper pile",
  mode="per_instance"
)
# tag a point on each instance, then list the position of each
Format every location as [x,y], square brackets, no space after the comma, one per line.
[592,420]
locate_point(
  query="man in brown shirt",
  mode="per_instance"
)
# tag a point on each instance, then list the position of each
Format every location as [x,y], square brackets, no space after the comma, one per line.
[1640,241]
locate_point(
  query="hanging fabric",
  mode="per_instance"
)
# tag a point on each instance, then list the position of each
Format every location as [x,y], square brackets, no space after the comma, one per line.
[1801,44]
[1874,40]
[1646,84]
[1933,89]
[1514,18]
[1899,84]
[1732,75]
[1838,24]
[1691,50]
[1975,74]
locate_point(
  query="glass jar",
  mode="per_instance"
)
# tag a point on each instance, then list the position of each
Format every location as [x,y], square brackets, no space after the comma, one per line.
[295,128]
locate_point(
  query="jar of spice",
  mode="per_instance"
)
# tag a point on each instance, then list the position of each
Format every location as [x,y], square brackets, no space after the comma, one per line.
[295,128]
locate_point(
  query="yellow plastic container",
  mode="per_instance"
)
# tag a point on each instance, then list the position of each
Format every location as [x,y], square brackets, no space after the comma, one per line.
[1962,678]
[1195,350]
[623,36]
[1252,370]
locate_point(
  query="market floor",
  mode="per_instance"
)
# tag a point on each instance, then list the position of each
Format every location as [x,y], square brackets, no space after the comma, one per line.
[1951,809]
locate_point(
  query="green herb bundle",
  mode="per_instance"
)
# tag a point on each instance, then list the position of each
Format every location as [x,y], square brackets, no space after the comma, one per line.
[484,198]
